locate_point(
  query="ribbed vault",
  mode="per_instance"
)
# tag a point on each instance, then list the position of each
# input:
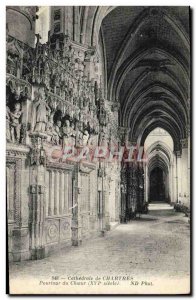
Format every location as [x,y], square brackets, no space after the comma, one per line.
[160,147]
[147,61]
[159,157]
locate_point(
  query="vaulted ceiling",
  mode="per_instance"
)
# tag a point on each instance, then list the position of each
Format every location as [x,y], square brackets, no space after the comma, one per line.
[147,53]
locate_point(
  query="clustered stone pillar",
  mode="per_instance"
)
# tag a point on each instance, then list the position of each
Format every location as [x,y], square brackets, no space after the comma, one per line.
[107,183]
[172,180]
[101,198]
[184,168]
[178,175]
[146,183]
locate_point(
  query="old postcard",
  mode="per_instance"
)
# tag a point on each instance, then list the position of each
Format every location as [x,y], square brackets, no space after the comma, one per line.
[98,149]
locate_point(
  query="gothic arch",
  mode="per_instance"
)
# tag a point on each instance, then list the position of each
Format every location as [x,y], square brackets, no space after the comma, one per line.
[166,126]
[161,146]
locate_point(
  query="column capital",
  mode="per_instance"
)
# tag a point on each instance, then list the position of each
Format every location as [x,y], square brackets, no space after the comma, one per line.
[184,143]
[178,153]
[188,130]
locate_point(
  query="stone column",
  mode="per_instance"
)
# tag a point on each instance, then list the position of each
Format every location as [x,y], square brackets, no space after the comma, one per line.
[178,176]
[173,179]
[102,198]
[168,185]
[37,221]
[145,183]
[50,194]
[115,109]
[140,183]
[37,191]
[56,193]
[76,220]
[123,193]
[66,204]
[106,194]
[188,170]
[184,170]
[61,192]
[170,182]
[117,194]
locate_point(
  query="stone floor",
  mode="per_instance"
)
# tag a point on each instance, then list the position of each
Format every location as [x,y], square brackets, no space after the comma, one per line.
[154,246]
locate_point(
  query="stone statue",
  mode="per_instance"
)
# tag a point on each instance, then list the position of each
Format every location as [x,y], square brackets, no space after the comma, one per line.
[40,109]
[73,135]
[93,140]
[50,128]
[79,137]
[8,134]
[104,137]
[67,131]
[57,133]
[15,125]
[85,138]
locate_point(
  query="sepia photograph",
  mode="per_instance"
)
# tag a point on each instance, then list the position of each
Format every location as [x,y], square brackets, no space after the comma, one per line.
[98,150]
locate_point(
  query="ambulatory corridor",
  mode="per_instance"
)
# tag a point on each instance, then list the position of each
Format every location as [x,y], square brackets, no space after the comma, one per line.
[154,246]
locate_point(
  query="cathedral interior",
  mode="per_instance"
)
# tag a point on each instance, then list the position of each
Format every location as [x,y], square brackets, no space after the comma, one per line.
[97,121]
